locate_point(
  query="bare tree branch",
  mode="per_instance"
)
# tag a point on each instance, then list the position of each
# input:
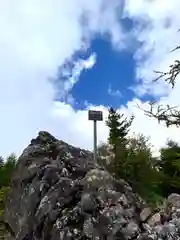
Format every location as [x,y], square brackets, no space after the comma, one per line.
[174,70]
[171,75]
[176,48]
[165,113]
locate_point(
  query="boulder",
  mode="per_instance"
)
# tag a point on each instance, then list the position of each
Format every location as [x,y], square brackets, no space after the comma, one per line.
[59,193]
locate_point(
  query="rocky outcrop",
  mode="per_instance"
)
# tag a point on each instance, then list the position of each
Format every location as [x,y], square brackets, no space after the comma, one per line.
[59,193]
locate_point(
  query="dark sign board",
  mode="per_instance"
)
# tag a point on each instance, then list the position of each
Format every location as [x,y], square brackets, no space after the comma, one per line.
[95,115]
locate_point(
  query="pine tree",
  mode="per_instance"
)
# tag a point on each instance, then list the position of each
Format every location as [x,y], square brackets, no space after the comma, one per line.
[118,130]
[6,170]
[140,169]
[170,168]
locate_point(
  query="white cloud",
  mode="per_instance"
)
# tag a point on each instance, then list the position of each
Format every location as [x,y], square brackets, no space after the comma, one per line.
[77,129]
[68,76]
[114,93]
[36,37]
[142,123]
[157,23]
[89,63]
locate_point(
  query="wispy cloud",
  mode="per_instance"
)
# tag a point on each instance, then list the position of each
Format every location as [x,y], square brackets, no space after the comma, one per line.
[156,28]
[68,75]
[114,93]
[37,36]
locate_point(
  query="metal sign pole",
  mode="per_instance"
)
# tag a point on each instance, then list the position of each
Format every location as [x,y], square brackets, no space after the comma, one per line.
[95,116]
[95,140]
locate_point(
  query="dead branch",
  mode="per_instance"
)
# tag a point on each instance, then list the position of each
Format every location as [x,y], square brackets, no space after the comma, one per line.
[174,70]
[169,115]
[171,75]
[163,113]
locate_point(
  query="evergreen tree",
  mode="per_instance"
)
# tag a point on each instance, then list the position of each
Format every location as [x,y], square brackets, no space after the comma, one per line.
[118,130]
[140,169]
[170,168]
[136,165]
[1,161]
[6,169]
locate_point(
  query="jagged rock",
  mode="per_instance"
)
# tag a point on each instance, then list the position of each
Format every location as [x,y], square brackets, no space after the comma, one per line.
[145,214]
[59,193]
[172,201]
[155,219]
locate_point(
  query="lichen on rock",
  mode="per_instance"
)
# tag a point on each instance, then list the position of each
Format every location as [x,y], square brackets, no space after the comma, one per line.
[58,192]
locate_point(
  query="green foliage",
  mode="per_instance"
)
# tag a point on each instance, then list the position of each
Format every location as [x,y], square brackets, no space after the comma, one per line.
[6,169]
[169,164]
[131,158]
[140,169]
[104,154]
[3,232]
[137,166]
[118,128]
[170,168]
[3,191]
[117,140]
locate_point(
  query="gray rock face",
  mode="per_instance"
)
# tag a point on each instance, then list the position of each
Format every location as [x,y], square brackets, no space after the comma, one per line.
[59,193]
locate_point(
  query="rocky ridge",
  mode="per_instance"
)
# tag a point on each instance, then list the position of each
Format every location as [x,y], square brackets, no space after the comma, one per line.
[59,193]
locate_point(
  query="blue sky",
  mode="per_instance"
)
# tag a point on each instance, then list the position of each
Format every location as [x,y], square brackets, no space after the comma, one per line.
[112,70]
[110,80]
[54,67]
